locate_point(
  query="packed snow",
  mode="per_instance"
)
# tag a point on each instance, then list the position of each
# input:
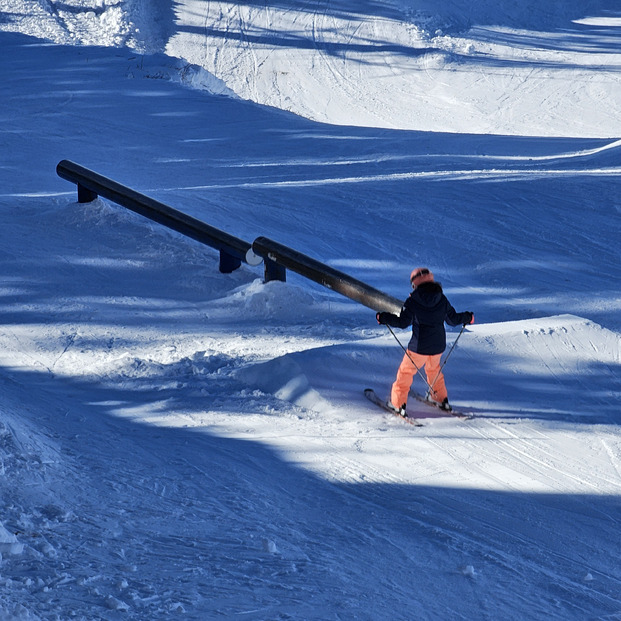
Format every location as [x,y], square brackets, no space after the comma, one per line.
[180,443]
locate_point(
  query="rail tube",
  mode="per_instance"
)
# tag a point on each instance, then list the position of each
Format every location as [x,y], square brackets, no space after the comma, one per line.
[277,256]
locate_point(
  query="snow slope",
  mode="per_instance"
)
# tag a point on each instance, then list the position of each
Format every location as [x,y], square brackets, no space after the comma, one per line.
[486,67]
[175,442]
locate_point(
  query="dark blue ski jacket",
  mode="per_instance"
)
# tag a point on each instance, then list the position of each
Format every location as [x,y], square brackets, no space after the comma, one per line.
[426,310]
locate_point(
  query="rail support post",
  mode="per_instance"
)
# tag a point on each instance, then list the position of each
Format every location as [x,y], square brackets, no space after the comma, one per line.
[274,271]
[228,263]
[85,195]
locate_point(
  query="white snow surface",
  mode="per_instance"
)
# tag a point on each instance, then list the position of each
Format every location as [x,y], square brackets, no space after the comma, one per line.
[180,443]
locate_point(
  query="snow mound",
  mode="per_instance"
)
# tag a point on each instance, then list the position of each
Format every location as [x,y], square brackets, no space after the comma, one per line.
[87,22]
[560,342]
[196,77]
[284,378]
[275,300]
[9,543]
[537,359]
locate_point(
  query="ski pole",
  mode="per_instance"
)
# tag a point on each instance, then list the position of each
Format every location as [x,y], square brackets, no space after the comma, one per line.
[407,353]
[445,361]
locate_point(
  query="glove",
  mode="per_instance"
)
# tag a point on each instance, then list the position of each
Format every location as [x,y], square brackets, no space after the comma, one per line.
[471,318]
[380,318]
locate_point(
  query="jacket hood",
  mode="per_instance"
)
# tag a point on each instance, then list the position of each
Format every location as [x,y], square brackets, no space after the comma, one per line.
[428,294]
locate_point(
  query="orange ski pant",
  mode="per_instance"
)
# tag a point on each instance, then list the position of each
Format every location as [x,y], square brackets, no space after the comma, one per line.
[405,375]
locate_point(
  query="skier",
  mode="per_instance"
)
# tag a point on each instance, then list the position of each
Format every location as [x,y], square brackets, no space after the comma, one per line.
[426,310]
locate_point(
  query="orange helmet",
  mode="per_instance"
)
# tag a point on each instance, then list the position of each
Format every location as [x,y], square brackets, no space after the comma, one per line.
[421,275]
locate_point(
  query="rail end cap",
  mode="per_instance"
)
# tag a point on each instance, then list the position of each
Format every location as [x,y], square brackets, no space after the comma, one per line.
[252,258]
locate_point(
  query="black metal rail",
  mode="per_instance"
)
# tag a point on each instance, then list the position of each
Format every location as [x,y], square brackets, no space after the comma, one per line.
[233,251]
[278,258]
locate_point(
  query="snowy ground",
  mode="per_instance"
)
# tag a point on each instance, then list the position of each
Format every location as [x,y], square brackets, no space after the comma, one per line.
[175,442]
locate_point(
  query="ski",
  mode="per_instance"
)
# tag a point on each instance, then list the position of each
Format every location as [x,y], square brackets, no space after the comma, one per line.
[372,396]
[455,413]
